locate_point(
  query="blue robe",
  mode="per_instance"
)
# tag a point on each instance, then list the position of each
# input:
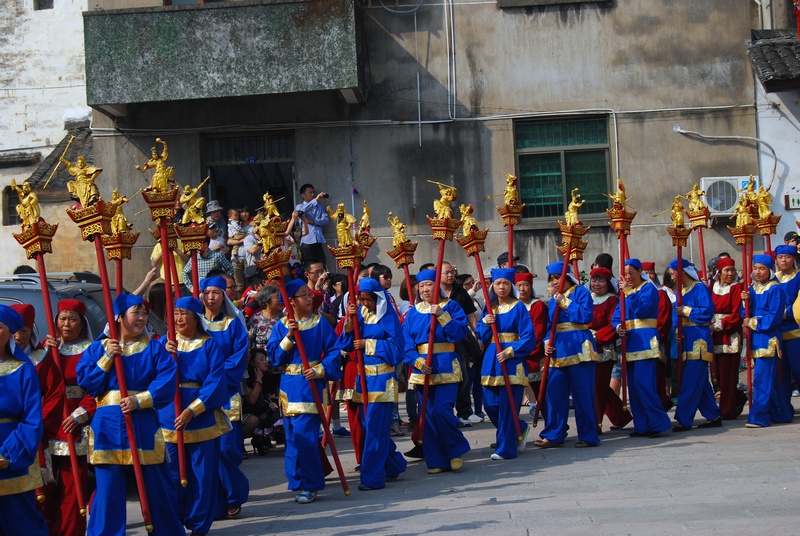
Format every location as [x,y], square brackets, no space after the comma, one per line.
[201,372]
[515,332]
[790,332]
[766,310]
[572,368]
[231,337]
[442,439]
[641,319]
[150,376]
[302,462]
[697,351]
[382,354]
[20,434]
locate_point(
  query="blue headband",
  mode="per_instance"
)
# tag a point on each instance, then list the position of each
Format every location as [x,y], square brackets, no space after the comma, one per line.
[684,263]
[190,303]
[369,285]
[123,302]
[426,275]
[764,259]
[214,281]
[11,318]
[504,273]
[786,249]
[636,263]
[556,268]
[292,287]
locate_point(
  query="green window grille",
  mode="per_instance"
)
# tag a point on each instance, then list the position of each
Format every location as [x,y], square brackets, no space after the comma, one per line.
[553,157]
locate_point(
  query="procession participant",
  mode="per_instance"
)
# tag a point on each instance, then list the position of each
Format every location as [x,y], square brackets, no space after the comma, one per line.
[605,302]
[221,322]
[61,502]
[664,325]
[790,330]
[515,334]
[20,434]
[726,334]
[302,462]
[201,373]
[444,444]
[537,312]
[695,349]
[766,310]
[641,331]
[380,331]
[150,376]
[573,358]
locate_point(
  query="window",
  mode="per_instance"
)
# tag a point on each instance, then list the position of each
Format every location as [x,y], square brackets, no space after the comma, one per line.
[10,202]
[42,4]
[555,156]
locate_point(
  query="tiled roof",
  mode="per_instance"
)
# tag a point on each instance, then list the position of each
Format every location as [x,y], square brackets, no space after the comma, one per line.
[81,145]
[775,55]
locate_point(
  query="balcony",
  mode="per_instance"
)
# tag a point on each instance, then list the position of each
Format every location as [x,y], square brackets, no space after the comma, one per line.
[250,47]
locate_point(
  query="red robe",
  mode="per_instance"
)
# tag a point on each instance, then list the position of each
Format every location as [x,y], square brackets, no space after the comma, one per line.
[606,400]
[726,333]
[537,310]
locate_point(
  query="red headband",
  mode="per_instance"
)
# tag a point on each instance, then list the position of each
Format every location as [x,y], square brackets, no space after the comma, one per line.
[725,261]
[648,266]
[528,277]
[72,305]
[601,272]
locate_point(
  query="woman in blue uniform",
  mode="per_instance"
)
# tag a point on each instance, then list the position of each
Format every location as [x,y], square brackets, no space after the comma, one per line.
[150,377]
[515,332]
[20,433]
[201,373]
[444,444]
[380,335]
[302,461]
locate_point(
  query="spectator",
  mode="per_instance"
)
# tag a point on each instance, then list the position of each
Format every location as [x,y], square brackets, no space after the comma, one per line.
[156,258]
[502,260]
[206,261]
[214,215]
[314,216]
[217,242]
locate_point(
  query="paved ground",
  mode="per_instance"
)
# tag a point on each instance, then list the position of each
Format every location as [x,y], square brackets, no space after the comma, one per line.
[728,480]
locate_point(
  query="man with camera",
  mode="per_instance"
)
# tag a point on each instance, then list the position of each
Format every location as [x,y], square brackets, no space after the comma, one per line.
[314,216]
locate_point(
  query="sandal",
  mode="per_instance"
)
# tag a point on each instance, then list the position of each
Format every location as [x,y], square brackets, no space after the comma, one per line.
[234,511]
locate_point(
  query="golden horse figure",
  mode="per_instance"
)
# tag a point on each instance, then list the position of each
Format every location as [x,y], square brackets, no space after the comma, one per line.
[399,230]
[468,221]
[571,215]
[163,174]
[343,223]
[510,193]
[119,223]
[82,189]
[28,208]
[695,198]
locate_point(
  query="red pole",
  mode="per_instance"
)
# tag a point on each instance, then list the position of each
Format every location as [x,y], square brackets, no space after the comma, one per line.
[546,365]
[703,274]
[431,338]
[351,280]
[123,386]
[678,303]
[746,331]
[119,276]
[510,259]
[496,338]
[768,239]
[623,340]
[169,272]
[195,275]
[409,287]
[174,270]
[317,402]
[51,328]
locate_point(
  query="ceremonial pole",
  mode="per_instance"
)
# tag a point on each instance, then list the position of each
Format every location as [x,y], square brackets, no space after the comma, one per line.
[699,216]
[275,266]
[121,240]
[621,221]
[193,238]
[402,252]
[36,238]
[473,244]
[510,212]
[443,227]
[94,221]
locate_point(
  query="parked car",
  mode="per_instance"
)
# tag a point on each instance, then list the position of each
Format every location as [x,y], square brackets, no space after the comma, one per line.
[83,286]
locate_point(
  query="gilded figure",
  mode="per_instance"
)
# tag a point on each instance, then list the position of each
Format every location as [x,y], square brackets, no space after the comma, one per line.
[468,221]
[571,216]
[28,207]
[119,223]
[344,222]
[441,206]
[363,225]
[82,189]
[764,203]
[162,174]
[678,219]
[399,229]
[695,198]
[510,193]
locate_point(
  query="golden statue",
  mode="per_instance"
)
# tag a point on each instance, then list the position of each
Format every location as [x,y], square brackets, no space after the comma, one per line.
[28,207]
[399,229]
[363,225]
[742,212]
[270,206]
[468,221]
[571,215]
[442,205]
[119,223]
[163,174]
[764,203]
[82,189]
[678,219]
[343,223]
[618,198]
[265,228]
[193,205]
[750,190]
[695,198]
[510,193]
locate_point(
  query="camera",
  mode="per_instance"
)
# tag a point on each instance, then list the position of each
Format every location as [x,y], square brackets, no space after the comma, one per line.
[300,213]
[326,196]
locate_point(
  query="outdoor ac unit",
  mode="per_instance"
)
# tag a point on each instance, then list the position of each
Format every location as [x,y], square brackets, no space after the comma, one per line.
[722,193]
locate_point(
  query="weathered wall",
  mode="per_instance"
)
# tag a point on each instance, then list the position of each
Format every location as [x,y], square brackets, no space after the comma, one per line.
[510,64]
[42,81]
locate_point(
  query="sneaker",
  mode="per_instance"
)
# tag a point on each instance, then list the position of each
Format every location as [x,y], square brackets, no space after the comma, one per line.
[340,432]
[482,415]
[532,409]
[474,419]
[464,423]
[522,443]
[795,393]
[496,456]
[306,497]
[456,464]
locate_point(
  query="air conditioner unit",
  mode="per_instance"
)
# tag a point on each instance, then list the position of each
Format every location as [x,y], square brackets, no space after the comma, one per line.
[722,193]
